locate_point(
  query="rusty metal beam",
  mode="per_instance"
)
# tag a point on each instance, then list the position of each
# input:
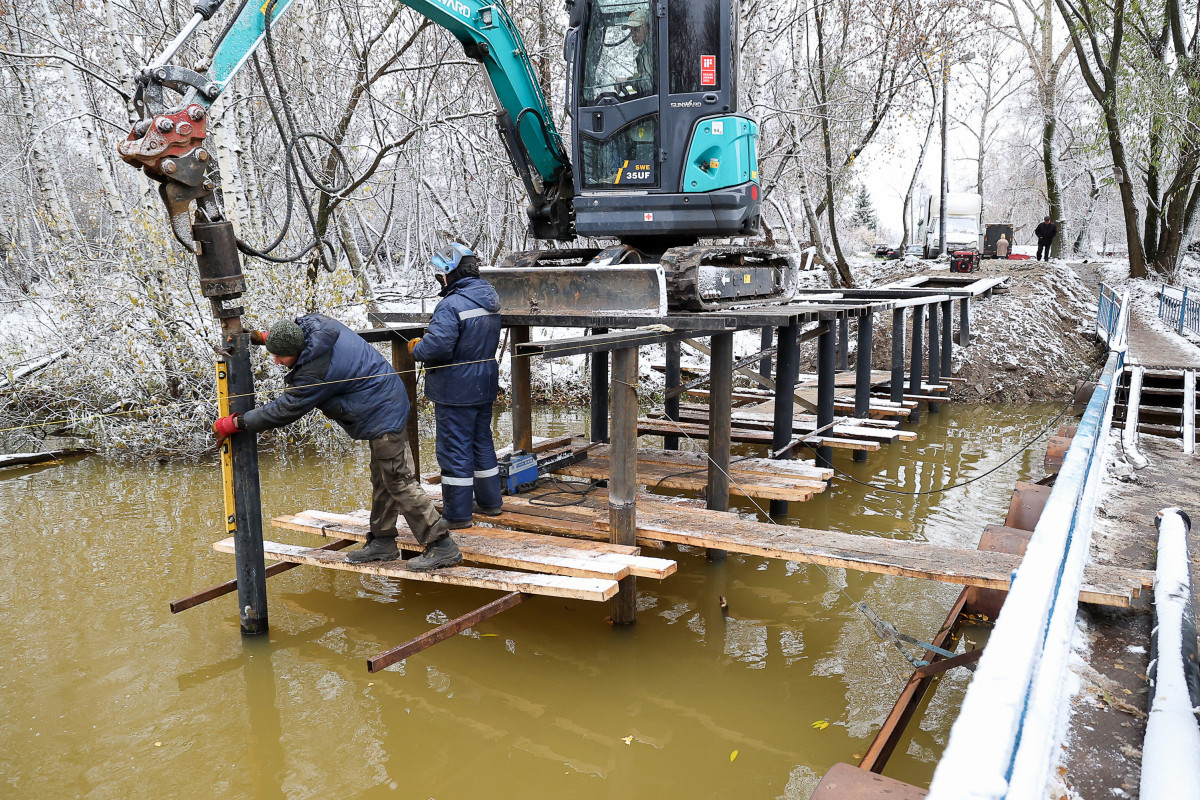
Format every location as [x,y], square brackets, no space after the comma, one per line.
[966,659]
[444,631]
[906,705]
[225,588]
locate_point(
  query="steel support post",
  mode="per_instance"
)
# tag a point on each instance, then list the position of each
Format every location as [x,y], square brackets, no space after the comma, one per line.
[826,378]
[862,373]
[222,282]
[622,483]
[248,538]
[522,390]
[916,362]
[720,424]
[764,366]
[406,367]
[897,382]
[964,322]
[947,339]
[785,387]
[671,406]
[600,393]
[935,353]
[843,344]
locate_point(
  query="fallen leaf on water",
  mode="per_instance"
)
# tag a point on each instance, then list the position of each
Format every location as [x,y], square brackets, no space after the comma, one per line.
[732,756]
[627,739]
[158,744]
[857,756]
[484,635]
[821,724]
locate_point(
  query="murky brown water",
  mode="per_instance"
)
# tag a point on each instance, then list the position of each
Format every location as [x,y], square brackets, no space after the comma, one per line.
[107,695]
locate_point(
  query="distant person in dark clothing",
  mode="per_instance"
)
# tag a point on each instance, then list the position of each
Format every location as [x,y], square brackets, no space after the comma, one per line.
[1045,235]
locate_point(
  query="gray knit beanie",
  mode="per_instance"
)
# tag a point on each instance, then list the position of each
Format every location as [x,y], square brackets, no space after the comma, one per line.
[285,338]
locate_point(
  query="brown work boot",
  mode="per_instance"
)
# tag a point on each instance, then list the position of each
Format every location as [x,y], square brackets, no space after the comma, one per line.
[442,553]
[382,549]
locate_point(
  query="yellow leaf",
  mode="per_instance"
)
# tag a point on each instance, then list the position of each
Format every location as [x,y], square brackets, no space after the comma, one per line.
[627,739]
[482,635]
[820,724]
[732,756]
[1119,666]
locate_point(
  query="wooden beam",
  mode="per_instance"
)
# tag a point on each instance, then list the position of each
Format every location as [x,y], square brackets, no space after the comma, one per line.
[751,374]
[444,631]
[503,548]
[622,485]
[595,589]
[1189,411]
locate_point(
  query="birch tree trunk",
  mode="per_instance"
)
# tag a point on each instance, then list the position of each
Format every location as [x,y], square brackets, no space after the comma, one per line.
[75,93]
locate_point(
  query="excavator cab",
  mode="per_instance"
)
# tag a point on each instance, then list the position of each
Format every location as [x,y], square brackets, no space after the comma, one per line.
[658,147]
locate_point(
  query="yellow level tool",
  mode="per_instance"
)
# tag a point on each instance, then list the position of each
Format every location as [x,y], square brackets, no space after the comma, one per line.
[226,448]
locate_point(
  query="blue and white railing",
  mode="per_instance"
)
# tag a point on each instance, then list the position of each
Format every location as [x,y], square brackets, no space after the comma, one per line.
[1112,309]
[1007,735]
[1178,309]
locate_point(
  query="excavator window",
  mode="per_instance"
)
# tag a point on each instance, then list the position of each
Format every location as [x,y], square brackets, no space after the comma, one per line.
[625,159]
[694,28]
[619,61]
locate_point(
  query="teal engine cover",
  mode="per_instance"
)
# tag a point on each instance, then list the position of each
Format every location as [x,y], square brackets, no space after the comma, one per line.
[722,154]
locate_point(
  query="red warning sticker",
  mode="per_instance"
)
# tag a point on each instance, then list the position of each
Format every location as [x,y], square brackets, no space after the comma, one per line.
[708,70]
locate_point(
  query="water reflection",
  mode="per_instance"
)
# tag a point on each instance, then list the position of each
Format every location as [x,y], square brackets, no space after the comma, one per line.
[108,695]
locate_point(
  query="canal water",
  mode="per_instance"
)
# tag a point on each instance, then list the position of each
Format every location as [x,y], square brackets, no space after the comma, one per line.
[105,694]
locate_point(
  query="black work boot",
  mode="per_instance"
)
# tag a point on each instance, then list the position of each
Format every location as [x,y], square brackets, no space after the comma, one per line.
[491,512]
[381,549]
[442,553]
[459,524]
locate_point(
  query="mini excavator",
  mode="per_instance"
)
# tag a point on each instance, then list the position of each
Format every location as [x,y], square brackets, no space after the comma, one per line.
[660,159]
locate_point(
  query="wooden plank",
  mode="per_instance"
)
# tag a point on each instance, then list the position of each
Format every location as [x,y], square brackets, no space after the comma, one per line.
[654,427]
[569,520]
[1102,585]
[474,548]
[761,380]
[497,546]
[923,398]
[595,589]
[1189,411]
[871,430]
[797,468]
[662,476]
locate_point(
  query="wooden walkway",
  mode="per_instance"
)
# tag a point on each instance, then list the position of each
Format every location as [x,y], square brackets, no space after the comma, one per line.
[559,560]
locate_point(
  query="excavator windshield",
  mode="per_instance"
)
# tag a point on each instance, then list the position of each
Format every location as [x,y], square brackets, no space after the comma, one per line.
[620,66]
[619,62]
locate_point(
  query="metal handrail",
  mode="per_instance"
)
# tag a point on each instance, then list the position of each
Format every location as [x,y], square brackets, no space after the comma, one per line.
[1003,743]
[1178,310]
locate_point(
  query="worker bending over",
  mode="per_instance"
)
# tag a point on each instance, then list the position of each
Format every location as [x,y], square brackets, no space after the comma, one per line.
[462,379]
[332,368]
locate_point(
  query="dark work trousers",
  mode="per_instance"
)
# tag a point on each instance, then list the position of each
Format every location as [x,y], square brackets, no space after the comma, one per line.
[467,456]
[394,491]
[1043,251]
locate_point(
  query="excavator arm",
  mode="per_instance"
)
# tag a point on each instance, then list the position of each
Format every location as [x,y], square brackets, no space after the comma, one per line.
[169,141]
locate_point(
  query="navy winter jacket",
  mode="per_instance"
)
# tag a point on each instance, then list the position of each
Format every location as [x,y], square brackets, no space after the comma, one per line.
[339,373]
[459,348]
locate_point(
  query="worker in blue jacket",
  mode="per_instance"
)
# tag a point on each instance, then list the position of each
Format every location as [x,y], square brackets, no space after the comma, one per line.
[462,379]
[333,369]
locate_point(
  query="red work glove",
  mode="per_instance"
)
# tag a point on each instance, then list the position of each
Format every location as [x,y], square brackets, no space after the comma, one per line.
[258,338]
[227,426]
[412,343]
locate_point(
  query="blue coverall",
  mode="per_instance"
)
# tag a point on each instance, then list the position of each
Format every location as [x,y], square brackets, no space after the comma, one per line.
[462,379]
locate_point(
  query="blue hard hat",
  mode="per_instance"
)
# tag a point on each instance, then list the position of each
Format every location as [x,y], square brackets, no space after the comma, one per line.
[447,259]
